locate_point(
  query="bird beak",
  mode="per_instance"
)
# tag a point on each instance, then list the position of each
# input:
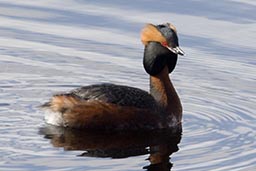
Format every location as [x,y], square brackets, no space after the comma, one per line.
[176,50]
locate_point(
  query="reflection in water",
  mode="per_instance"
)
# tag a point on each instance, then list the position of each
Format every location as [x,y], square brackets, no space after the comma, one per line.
[51,46]
[158,144]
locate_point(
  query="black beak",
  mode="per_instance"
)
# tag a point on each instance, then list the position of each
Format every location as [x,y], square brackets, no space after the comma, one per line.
[176,50]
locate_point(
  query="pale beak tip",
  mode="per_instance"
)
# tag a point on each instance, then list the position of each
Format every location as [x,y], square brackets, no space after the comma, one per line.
[177,50]
[180,51]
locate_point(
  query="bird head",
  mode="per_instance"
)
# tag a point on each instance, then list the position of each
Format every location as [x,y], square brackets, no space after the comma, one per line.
[165,34]
[161,47]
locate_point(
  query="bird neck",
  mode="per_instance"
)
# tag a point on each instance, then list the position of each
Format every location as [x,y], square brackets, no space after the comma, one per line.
[162,89]
[156,57]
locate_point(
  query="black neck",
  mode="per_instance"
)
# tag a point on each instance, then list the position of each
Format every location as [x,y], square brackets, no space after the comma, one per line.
[156,57]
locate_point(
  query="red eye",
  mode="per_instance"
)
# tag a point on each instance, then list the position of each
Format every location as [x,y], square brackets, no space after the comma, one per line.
[164,44]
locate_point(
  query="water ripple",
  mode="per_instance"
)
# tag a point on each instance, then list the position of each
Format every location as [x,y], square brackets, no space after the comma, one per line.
[50,47]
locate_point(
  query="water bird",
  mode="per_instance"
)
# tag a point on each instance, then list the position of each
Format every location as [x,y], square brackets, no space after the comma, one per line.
[117,107]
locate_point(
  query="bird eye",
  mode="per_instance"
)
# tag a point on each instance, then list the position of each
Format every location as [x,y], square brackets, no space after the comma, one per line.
[164,44]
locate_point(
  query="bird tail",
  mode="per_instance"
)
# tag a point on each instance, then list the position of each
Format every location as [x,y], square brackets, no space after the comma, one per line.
[61,103]
[57,106]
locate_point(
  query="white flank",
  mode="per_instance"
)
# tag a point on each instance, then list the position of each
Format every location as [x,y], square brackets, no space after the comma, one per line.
[53,118]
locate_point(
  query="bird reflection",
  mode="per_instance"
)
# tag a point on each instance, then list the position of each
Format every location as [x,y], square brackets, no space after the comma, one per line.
[158,144]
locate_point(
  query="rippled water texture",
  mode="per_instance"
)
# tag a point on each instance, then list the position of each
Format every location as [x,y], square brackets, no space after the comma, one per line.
[53,46]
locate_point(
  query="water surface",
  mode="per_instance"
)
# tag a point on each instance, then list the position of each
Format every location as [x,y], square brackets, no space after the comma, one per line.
[48,47]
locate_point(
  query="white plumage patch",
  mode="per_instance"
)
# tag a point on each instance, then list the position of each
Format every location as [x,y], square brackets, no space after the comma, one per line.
[53,118]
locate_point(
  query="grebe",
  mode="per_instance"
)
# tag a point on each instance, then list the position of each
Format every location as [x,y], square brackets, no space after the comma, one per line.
[118,107]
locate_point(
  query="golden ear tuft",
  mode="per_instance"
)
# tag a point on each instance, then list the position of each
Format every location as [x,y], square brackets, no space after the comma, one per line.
[172,27]
[151,33]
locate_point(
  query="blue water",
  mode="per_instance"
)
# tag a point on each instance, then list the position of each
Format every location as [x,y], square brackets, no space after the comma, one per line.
[53,46]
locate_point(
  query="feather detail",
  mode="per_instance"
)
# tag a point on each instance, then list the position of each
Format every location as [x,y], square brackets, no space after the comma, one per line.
[151,34]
